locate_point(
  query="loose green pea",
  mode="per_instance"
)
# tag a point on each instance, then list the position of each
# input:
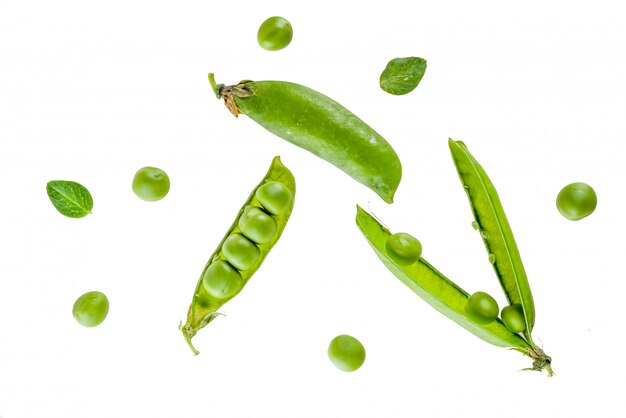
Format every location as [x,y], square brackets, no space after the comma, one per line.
[275,33]
[257,225]
[274,197]
[576,201]
[403,248]
[481,308]
[151,184]
[221,280]
[240,251]
[513,317]
[91,308]
[346,353]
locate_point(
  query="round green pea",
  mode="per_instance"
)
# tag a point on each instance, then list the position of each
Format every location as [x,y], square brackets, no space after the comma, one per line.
[91,308]
[346,353]
[257,225]
[576,201]
[403,248]
[275,33]
[274,197]
[481,308]
[151,184]
[240,251]
[513,317]
[221,280]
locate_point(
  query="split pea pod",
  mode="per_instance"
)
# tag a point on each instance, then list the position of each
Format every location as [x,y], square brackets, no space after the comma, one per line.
[432,286]
[317,123]
[257,227]
[443,294]
[495,231]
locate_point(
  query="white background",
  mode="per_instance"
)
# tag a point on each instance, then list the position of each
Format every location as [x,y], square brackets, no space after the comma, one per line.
[93,91]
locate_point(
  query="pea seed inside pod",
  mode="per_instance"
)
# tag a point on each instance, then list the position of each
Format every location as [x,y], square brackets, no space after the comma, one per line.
[481,308]
[257,225]
[274,197]
[240,251]
[221,280]
[403,248]
[513,317]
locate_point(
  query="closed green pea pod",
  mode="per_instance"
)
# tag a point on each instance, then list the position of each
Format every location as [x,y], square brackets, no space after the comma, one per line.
[237,258]
[320,125]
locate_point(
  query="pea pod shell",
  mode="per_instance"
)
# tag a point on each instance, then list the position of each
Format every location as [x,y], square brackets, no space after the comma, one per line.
[319,124]
[432,286]
[203,308]
[495,231]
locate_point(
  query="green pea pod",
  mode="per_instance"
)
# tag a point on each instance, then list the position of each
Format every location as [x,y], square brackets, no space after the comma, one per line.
[444,295]
[495,231]
[204,305]
[320,125]
[432,286]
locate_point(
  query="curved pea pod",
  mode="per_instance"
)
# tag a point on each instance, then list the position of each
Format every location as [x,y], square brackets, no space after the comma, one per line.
[495,231]
[209,295]
[443,294]
[432,286]
[320,125]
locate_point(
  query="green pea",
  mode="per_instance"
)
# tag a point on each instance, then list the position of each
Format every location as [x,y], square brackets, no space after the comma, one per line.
[576,201]
[346,353]
[91,308]
[274,197]
[257,225]
[275,33]
[403,248]
[240,251]
[513,317]
[221,280]
[481,308]
[151,184]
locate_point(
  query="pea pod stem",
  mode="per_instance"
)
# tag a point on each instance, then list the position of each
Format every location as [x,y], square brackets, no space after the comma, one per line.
[216,87]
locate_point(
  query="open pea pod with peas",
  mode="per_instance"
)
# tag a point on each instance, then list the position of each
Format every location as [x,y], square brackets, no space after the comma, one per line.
[256,229]
[401,254]
[320,125]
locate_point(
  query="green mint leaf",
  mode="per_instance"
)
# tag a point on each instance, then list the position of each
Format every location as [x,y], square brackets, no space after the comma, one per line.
[402,75]
[70,198]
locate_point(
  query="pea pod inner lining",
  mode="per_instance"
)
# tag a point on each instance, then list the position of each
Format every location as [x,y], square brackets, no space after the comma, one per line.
[495,231]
